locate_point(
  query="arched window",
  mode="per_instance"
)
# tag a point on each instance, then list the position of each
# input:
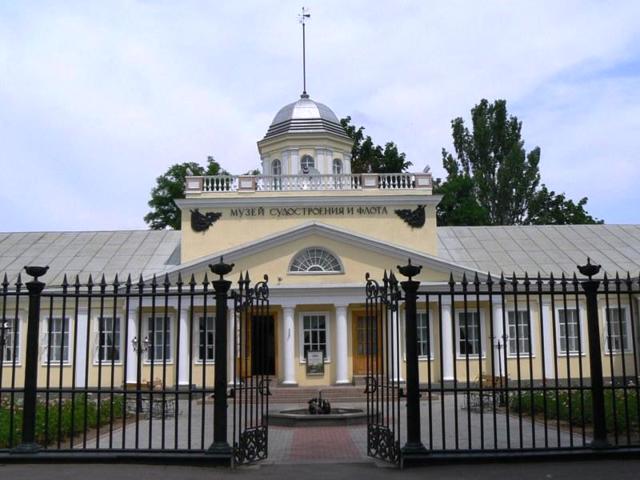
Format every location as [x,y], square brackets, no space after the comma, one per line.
[307,163]
[337,166]
[315,260]
[276,167]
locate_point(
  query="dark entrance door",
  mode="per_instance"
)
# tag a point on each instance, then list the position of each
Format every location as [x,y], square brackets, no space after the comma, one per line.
[263,345]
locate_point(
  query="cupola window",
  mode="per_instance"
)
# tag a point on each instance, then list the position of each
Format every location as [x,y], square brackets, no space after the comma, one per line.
[337,166]
[307,164]
[315,260]
[276,167]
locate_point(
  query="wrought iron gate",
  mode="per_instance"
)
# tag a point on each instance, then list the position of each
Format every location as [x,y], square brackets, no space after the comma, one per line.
[383,369]
[251,371]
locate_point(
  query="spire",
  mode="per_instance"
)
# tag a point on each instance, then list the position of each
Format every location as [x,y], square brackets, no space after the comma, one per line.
[303,17]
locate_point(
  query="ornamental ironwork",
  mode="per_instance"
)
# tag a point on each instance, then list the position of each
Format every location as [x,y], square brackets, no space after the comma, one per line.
[414,218]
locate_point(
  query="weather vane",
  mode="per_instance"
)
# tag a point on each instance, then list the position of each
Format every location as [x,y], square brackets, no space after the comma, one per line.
[302,18]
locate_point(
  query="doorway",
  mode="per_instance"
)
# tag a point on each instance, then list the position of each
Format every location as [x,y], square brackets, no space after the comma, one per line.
[263,345]
[360,342]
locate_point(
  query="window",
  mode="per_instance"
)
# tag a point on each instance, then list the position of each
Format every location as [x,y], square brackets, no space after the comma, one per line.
[315,260]
[57,340]
[10,340]
[469,333]
[307,163]
[337,166]
[568,331]
[159,334]
[207,339]
[276,167]
[616,330]
[109,339]
[314,334]
[424,335]
[519,333]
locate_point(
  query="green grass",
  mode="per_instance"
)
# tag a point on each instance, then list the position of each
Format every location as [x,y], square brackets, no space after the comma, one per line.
[56,425]
[576,408]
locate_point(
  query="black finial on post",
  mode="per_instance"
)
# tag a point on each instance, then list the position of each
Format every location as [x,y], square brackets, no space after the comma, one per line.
[221,268]
[409,270]
[589,270]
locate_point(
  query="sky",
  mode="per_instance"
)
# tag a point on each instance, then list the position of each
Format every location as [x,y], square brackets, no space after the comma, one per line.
[99,98]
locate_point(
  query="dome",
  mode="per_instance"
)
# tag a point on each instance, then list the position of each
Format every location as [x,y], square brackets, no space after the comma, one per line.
[305,116]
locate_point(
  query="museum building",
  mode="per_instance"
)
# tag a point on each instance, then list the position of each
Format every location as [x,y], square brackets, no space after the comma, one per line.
[316,229]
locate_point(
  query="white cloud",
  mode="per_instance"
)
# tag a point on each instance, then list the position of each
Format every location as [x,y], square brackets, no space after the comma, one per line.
[98,99]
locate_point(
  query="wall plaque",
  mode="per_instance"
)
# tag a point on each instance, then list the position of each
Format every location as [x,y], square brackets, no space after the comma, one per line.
[315,362]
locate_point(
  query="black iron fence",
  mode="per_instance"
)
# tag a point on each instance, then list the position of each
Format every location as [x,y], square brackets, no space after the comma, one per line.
[506,366]
[127,367]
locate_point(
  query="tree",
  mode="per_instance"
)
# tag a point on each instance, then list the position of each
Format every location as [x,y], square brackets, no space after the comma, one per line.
[366,157]
[164,212]
[493,180]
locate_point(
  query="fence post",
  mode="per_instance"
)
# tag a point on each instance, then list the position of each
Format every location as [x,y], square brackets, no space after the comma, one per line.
[28,443]
[590,288]
[221,287]
[414,444]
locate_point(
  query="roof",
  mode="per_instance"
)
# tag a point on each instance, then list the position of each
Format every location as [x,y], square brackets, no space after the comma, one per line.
[305,116]
[124,252]
[542,248]
[545,249]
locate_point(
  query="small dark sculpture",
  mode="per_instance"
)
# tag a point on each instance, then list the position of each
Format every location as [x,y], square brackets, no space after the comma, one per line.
[413,218]
[318,406]
[200,222]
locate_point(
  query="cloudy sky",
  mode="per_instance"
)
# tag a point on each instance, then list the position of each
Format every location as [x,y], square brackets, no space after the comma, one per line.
[99,98]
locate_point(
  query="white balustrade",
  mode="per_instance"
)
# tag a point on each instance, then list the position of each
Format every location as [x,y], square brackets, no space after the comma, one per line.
[297,183]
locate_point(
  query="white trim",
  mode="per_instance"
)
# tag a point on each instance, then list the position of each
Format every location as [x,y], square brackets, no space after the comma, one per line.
[327,324]
[96,344]
[44,342]
[147,333]
[582,314]
[532,334]
[627,325]
[196,340]
[482,333]
[17,320]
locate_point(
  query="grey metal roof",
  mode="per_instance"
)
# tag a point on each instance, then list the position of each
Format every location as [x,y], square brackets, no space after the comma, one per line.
[123,252]
[305,116]
[542,248]
[545,249]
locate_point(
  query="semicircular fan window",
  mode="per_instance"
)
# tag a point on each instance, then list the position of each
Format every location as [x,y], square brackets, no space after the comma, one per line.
[315,260]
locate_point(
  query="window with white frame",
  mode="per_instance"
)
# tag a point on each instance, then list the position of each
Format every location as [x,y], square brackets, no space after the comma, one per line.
[276,167]
[159,334]
[469,342]
[337,166]
[207,339]
[616,330]
[519,333]
[424,335]
[109,345]
[315,260]
[314,334]
[307,163]
[568,331]
[10,340]
[57,340]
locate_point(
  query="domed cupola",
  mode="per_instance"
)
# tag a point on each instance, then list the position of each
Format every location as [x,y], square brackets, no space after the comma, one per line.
[305,116]
[305,138]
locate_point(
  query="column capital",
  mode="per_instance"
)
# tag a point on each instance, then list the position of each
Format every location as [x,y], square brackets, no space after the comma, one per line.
[341,305]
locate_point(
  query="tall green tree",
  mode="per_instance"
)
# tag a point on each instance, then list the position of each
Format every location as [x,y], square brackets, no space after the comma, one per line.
[492,180]
[367,157]
[169,186]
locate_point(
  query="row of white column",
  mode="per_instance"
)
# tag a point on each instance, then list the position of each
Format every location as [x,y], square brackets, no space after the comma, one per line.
[341,347]
[499,335]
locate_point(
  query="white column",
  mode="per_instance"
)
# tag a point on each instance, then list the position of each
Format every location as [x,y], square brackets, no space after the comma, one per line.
[183,342]
[448,352]
[288,332]
[396,342]
[498,336]
[81,356]
[132,355]
[342,375]
[547,339]
[231,339]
